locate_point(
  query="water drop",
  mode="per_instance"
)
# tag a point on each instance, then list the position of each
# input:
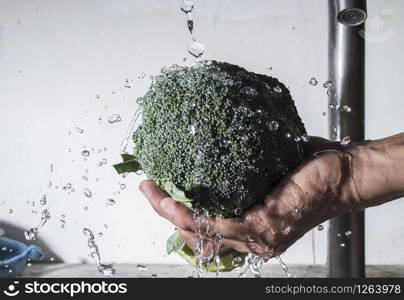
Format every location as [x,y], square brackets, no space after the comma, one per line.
[100,234]
[31,234]
[320,227]
[324,113]
[110,202]
[278,89]
[85,153]
[10,211]
[122,186]
[342,245]
[331,91]
[273,125]
[345,141]
[43,201]
[313,81]
[87,193]
[327,84]
[305,138]
[187,6]
[114,118]
[97,96]
[154,275]
[348,233]
[238,211]
[79,130]
[248,91]
[346,108]
[196,49]
[127,84]
[192,129]
[141,268]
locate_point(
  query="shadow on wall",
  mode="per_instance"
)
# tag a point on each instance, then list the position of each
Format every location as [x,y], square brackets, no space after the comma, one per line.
[17,233]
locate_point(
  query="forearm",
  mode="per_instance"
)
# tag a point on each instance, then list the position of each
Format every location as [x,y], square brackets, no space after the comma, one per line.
[377,170]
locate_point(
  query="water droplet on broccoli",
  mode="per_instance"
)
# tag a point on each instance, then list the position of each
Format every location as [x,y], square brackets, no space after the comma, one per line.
[248,91]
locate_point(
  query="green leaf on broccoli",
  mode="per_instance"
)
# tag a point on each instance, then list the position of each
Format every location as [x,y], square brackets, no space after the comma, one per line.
[129,164]
[174,243]
[227,263]
[176,193]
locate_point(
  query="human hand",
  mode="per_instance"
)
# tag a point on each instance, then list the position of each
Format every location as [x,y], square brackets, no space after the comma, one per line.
[319,189]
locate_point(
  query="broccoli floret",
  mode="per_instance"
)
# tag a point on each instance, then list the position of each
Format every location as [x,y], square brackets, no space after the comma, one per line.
[222,135]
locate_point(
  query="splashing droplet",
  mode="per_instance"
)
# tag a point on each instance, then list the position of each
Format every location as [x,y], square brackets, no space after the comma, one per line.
[43,201]
[114,119]
[111,202]
[141,268]
[327,84]
[273,125]
[345,141]
[79,130]
[313,81]
[127,84]
[85,153]
[187,6]
[87,193]
[196,49]
[107,269]
[248,91]
[346,108]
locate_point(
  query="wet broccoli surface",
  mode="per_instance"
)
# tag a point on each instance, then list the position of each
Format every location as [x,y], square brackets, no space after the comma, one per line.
[220,134]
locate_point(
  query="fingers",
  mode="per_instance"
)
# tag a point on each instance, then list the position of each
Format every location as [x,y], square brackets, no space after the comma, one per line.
[182,217]
[166,207]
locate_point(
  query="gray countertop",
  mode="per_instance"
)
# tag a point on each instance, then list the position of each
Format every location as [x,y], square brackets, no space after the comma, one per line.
[56,270]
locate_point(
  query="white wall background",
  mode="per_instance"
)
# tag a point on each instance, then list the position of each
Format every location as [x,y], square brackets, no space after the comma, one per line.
[57,55]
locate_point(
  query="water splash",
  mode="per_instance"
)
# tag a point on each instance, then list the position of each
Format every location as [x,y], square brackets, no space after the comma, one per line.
[107,269]
[43,200]
[313,81]
[196,49]
[32,233]
[345,141]
[87,192]
[284,267]
[114,119]
[129,131]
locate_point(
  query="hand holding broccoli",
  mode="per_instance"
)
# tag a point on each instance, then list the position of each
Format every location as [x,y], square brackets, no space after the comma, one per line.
[317,190]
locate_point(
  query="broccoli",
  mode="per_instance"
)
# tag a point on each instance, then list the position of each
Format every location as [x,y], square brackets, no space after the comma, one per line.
[216,137]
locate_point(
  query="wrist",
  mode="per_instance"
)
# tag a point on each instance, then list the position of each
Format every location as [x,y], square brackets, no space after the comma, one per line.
[376,171]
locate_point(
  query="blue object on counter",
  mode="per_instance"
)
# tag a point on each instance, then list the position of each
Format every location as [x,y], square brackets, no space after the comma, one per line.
[14,256]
